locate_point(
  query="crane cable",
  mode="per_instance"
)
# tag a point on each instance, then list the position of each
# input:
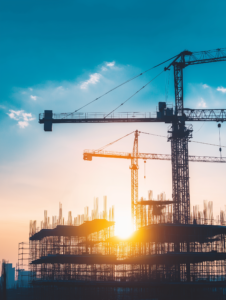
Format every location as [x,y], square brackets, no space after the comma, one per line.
[120,85]
[164,136]
[219,126]
[167,85]
[144,169]
[133,95]
[200,127]
[190,141]
[152,134]
[101,148]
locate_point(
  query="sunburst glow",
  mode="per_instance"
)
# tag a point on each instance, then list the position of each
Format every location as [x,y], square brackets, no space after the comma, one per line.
[123,227]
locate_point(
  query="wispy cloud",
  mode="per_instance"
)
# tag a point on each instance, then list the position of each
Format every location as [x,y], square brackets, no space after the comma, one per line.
[205,96]
[66,96]
[110,64]
[106,74]
[22,124]
[202,103]
[60,88]
[93,79]
[21,116]
[33,97]
[221,89]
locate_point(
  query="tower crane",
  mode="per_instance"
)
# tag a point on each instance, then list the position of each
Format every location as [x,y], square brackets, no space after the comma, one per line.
[179,133]
[134,157]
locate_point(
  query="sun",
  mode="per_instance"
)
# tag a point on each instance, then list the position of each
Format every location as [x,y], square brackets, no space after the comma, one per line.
[123,227]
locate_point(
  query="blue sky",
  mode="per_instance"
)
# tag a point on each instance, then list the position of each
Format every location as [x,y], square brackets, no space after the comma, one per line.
[60,55]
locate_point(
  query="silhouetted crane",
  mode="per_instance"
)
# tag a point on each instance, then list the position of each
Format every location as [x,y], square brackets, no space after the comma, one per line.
[134,157]
[179,134]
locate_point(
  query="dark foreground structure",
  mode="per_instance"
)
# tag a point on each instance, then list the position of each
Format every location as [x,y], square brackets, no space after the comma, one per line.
[162,260]
[170,292]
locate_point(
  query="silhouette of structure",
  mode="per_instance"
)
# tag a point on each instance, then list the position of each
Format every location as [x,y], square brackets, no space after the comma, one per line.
[161,253]
[179,133]
[136,205]
[174,253]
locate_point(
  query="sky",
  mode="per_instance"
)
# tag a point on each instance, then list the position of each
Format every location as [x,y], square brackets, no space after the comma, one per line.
[61,55]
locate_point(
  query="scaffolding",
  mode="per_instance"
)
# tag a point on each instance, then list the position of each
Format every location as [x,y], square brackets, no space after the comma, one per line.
[23,265]
[157,252]
[161,254]
[58,253]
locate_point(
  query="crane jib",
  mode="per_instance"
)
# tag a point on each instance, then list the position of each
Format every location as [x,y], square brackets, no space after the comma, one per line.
[164,115]
[89,154]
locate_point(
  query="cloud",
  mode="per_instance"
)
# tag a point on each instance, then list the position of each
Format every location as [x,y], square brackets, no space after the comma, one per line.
[66,96]
[110,64]
[23,124]
[105,75]
[221,89]
[33,97]
[21,116]
[60,88]
[15,114]
[200,96]
[202,103]
[2,107]
[93,79]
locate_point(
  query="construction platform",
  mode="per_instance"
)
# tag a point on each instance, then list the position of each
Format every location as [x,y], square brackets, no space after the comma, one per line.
[157,254]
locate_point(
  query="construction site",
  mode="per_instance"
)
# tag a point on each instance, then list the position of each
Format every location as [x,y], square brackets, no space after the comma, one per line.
[175,252]
[160,253]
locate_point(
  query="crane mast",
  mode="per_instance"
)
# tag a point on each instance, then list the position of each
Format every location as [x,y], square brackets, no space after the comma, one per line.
[134,178]
[179,135]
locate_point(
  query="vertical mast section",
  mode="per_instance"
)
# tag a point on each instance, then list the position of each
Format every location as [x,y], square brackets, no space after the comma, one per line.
[179,135]
[178,84]
[134,178]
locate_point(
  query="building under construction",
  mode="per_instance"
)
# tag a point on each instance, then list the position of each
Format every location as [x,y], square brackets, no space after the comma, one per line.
[88,261]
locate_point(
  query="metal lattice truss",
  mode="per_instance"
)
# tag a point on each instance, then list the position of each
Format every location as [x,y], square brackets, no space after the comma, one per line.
[88,154]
